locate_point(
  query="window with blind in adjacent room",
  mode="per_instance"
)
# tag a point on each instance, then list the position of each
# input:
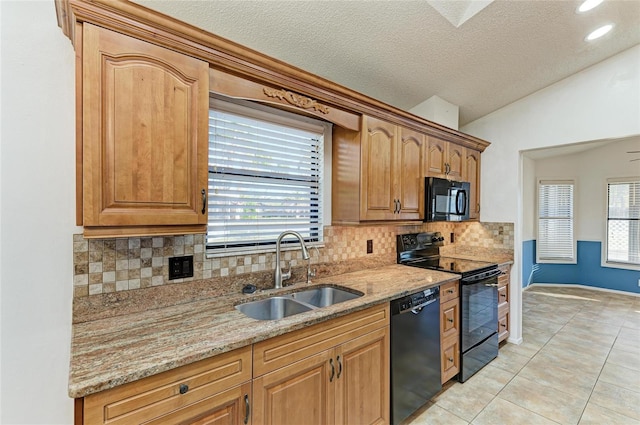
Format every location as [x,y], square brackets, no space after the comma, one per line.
[556,243]
[623,222]
[266,175]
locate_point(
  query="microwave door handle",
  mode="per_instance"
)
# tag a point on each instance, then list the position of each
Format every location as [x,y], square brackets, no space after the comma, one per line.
[460,207]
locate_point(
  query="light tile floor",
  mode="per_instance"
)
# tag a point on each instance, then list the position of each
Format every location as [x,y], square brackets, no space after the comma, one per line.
[579,363]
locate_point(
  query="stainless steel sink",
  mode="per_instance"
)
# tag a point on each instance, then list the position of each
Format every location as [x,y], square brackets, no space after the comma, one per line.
[324,296]
[279,307]
[273,308]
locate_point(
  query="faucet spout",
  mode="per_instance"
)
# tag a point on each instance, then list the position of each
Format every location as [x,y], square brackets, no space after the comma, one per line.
[278,275]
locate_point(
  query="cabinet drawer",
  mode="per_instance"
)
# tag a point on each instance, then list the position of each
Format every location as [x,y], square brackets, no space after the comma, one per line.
[163,394]
[449,291]
[503,294]
[450,318]
[503,309]
[280,351]
[503,327]
[450,358]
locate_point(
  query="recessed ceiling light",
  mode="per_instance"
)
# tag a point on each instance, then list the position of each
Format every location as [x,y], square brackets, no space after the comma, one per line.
[599,32]
[588,5]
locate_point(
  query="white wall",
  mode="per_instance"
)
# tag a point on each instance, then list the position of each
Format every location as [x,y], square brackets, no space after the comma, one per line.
[36,213]
[601,102]
[592,168]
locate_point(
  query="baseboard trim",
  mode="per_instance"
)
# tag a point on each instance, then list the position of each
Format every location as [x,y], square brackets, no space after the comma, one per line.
[516,341]
[577,285]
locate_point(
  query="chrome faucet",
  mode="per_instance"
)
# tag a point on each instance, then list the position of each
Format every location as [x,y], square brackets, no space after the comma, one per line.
[278,275]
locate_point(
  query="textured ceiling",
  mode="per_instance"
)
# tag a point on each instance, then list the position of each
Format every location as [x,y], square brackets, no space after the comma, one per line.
[404,52]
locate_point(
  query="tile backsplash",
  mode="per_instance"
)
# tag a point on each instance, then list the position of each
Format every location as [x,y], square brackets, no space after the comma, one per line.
[110,265]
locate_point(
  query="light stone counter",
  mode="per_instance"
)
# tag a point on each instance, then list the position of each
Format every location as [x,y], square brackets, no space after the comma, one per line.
[113,351]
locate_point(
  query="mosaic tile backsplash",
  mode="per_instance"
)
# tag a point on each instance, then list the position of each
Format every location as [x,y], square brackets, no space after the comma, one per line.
[109,265]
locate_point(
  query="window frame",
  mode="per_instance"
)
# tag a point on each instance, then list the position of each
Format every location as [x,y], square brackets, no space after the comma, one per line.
[558,181]
[605,238]
[268,113]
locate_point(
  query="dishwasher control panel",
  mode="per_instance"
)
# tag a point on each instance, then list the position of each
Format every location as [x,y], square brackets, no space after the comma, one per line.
[415,301]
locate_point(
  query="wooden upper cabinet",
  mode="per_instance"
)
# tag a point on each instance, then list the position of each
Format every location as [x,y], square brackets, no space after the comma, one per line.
[437,157]
[392,172]
[144,137]
[472,175]
[456,160]
[445,159]
[378,157]
[411,165]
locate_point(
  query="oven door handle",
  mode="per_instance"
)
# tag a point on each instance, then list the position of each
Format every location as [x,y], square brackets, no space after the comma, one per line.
[474,279]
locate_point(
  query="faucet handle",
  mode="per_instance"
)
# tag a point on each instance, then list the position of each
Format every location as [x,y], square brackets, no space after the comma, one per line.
[287,275]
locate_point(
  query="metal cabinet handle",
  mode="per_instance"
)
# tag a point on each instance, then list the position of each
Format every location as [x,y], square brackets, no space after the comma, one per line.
[247,408]
[333,370]
[450,320]
[183,388]
[339,367]
[503,295]
[450,359]
[504,325]
[450,291]
[399,206]
[204,201]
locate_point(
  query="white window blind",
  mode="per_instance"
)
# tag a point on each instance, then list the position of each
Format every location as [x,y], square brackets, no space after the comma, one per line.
[555,222]
[623,221]
[265,176]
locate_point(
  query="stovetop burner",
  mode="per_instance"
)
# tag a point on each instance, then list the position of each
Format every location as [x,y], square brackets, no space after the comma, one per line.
[422,250]
[448,264]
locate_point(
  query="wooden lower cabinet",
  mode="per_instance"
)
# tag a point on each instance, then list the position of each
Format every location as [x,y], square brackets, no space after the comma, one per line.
[449,330]
[336,372]
[503,302]
[212,391]
[343,382]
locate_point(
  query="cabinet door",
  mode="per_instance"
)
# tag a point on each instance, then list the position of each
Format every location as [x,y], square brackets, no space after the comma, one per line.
[456,156]
[450,318]
[437,157]
[363,380]
[378,159]
[145,133]
[301,393]
[411,154]
[472,175]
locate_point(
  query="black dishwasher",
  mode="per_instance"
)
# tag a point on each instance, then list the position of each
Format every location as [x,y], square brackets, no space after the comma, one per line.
[415,352]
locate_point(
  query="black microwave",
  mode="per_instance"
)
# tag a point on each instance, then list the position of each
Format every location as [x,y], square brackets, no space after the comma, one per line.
[446,200]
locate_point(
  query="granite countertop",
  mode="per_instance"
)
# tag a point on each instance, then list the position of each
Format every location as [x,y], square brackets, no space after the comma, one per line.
[113,351]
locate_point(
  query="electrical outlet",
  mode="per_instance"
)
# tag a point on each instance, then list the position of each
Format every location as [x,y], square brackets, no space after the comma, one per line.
[369,246]
[180,267]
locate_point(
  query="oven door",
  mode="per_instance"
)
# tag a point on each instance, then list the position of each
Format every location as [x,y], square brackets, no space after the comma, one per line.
[479,309]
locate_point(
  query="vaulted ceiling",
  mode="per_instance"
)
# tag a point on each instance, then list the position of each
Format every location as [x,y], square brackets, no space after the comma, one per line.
[480,55]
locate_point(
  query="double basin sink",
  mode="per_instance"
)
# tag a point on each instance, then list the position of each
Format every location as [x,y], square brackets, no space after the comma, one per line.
[281,306]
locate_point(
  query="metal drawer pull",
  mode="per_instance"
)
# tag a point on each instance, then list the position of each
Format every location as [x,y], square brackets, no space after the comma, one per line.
[184,388]
[339,367]
[204,201]
[247,408]
[333,370]
[450,291]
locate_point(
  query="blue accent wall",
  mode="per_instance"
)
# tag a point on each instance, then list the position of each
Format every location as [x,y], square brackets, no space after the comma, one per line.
[587,271]
[528,261]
